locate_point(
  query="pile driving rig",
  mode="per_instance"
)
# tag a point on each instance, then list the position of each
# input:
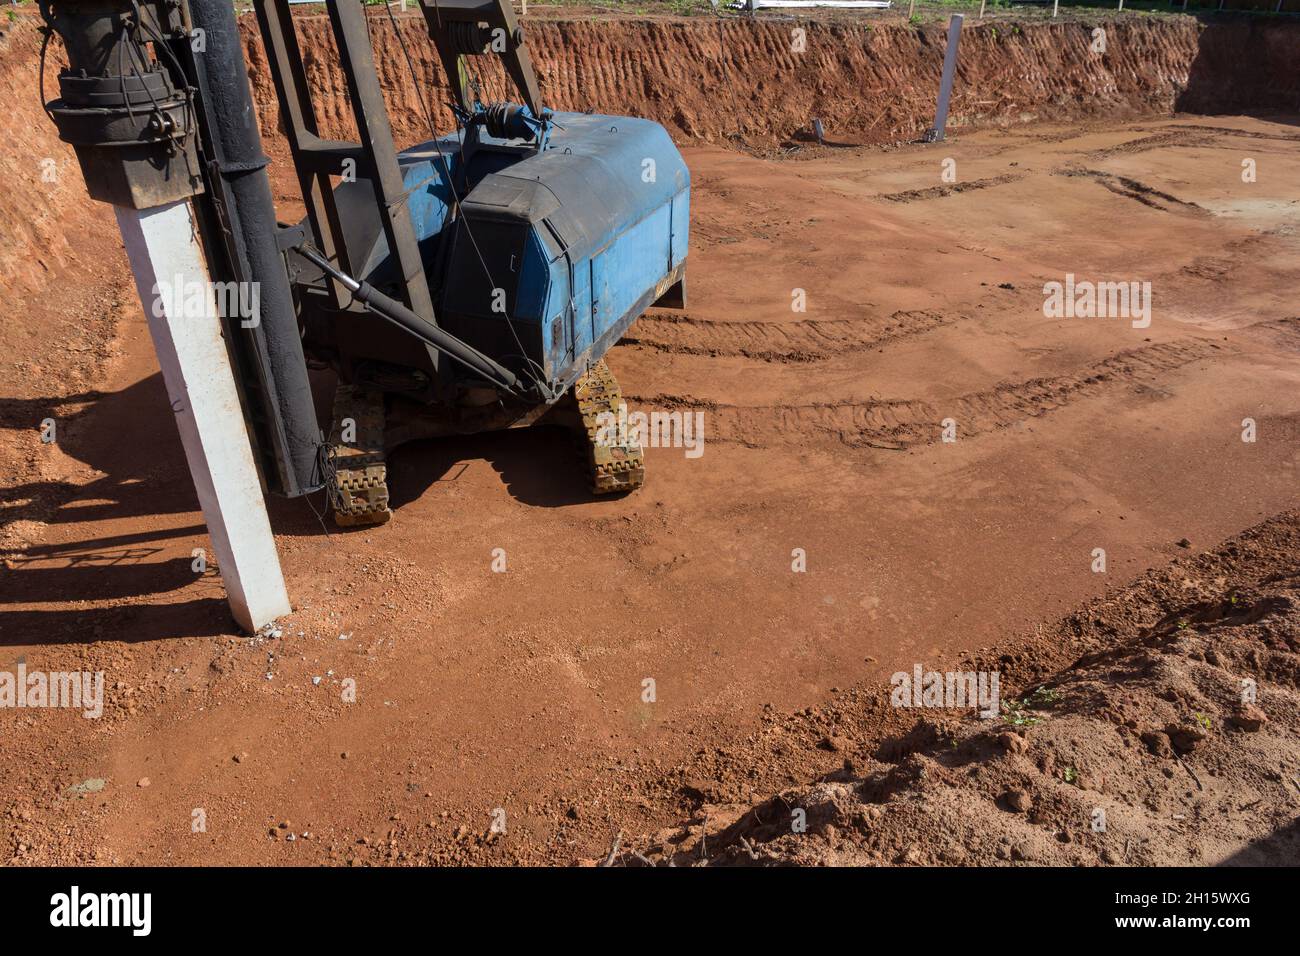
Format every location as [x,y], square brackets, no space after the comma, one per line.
[472,282]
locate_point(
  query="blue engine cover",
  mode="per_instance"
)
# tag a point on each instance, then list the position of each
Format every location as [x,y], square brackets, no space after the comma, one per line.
[573,243]
[569,246]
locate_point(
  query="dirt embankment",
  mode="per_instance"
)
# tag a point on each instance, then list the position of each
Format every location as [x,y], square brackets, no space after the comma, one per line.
[868,82]
[63,285]
[704,79]
[43,205]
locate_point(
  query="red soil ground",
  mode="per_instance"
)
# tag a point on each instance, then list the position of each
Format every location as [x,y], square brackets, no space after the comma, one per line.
[523,691]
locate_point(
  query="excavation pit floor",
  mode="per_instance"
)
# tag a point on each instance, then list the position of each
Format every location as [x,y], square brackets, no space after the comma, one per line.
[628,636]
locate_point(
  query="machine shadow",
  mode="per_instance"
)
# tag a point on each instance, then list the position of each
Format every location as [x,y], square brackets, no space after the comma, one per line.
[1279,848]
[97,576]
[539,465]
[130,624]
[128,436]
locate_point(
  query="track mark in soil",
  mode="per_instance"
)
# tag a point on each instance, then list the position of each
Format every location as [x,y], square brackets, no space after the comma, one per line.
[1219,268]
[1030,136]
[806,341]
[1245,133]
[900,424]
[1133,189]
[938,192]
[1177,136]
[1281,333]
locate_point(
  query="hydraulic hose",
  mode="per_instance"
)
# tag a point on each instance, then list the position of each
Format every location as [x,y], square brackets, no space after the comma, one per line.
[397,313]
[251,216]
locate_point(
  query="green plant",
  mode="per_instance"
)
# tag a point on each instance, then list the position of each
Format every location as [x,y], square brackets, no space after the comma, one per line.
[1013,712]
[1070,775]
[1016,712]
[1204,720]
[684,8]
[1044,697]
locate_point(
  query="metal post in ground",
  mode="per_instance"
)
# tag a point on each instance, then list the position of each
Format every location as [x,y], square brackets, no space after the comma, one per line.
[982,2]
[935,134]
[1056,7]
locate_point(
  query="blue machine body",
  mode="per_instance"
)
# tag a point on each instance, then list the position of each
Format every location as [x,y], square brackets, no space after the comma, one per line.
[557,251]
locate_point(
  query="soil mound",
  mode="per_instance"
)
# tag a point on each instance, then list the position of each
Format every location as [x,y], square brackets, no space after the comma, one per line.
[1145,749]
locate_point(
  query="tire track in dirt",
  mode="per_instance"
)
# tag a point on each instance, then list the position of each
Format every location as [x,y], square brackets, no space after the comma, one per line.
[807,341]
[1281,333]
[1175,136]
[904,423]
[1218,131]
[1132,189]
[1220,266]
[938,192]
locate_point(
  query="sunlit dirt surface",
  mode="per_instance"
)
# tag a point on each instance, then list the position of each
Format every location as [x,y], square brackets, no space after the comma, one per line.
[525,690]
